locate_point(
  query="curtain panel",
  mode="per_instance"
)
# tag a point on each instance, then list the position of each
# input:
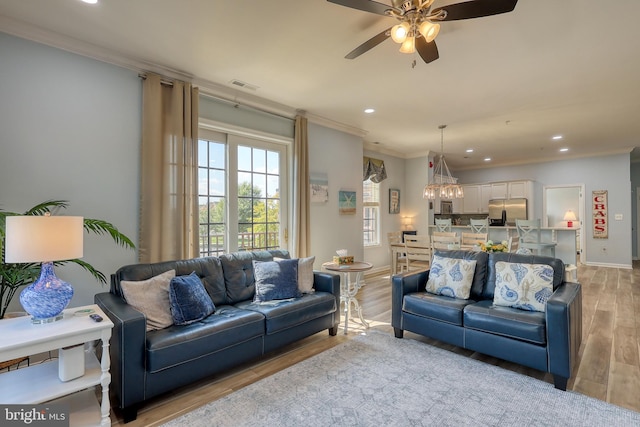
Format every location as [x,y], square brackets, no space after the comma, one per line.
[169,171]
[301,243]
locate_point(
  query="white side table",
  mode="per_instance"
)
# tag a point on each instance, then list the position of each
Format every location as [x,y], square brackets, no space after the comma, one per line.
[349,288]
[39,383]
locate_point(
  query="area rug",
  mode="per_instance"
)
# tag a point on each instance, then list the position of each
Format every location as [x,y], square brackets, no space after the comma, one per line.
[379,380]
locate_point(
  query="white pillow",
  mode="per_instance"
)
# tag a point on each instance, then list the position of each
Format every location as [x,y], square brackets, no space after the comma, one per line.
[305,274]
[451,277]
[151,297]
[523,286]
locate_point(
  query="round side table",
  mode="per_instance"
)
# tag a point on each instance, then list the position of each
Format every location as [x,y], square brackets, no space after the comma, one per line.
[349,288]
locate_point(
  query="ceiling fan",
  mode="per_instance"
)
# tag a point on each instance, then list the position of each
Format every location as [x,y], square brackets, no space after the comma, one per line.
[419,24]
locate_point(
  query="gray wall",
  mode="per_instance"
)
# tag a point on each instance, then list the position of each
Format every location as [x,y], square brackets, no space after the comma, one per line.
[338,156]
[610,173]
[70,130]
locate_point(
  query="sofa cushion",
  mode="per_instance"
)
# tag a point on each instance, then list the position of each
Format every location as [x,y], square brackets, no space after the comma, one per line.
[151,297]
[284,314]
[238,272]
[556,264]
[276,280]
[480,273]
[523,286]
[451,277]
[227,327]
[189,300]
[437,307]
[305,274]
[506,321]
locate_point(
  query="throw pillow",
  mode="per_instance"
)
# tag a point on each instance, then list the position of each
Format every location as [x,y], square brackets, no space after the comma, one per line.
[305,274]
[151,297]
[523,286]
[276,280]
[451,277]
[189,300]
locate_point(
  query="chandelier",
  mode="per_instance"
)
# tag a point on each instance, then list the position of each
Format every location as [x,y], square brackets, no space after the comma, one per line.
[415,21]
[444,185]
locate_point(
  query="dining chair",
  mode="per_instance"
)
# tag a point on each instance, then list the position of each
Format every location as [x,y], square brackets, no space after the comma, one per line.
[417,252]
[479,225]
[443,224]
[444,242]
[529,237]
[395,238]
[471,240]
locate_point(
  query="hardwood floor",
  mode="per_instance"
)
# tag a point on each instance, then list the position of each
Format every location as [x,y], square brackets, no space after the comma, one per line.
[609,366]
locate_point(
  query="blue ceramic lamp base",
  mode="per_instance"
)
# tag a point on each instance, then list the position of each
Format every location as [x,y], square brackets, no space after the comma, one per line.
[45,298]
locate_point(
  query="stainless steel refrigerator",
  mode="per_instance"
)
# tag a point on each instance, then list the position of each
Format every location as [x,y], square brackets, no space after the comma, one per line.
[506,211]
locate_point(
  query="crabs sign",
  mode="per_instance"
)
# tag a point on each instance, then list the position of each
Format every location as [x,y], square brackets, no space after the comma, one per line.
[600,220]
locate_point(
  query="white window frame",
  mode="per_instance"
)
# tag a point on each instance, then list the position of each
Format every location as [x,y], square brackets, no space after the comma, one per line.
[374,205]
[236,136]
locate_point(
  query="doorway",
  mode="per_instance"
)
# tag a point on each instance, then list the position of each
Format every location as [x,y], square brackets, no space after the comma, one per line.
[557,201]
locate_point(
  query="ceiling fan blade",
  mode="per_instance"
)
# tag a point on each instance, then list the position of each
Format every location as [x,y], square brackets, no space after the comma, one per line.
[369,44]
[428,51]
[476,9]
[366,5]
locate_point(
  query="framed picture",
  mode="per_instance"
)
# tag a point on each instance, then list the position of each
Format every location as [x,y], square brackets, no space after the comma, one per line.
[394,201]
[319,189]
[347,202]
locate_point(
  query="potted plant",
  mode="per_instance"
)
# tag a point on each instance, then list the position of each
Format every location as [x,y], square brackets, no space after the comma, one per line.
[15,276]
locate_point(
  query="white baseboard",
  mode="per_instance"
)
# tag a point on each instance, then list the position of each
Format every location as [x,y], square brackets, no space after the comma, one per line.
[608,265]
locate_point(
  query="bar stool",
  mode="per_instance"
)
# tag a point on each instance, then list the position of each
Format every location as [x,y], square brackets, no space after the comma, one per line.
[443,225]
[479,225]
[529,237]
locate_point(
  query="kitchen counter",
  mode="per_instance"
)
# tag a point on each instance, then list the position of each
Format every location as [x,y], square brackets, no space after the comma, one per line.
[565,237]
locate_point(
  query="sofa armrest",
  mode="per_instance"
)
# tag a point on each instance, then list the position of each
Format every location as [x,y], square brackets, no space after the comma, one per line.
[127,348]
[327,282]
[402,284]
[564,328]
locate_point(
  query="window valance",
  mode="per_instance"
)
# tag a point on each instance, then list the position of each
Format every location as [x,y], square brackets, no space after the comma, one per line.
[373,169]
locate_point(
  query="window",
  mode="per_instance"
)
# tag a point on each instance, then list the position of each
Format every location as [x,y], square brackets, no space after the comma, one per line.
[242,193]
[212,197]
[371,213]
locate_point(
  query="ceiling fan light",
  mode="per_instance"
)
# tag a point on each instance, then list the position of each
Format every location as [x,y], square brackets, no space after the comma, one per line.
[399,32]
[429,30]
[409,45]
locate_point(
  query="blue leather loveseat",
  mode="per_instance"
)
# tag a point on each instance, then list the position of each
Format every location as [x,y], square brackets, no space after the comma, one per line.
[145,364]
[546,340]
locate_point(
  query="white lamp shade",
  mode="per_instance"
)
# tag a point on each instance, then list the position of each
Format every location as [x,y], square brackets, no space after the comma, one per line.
[570,216]
[34,238]
[400,32]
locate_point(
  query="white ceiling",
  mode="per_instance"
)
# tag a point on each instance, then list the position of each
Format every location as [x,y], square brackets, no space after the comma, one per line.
[503,84]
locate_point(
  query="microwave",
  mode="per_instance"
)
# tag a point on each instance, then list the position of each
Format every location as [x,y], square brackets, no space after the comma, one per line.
[446,207]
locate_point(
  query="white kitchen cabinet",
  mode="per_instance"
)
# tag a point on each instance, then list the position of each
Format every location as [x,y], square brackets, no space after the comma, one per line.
[457,205]
[499,190]
[476,198]
[518,189]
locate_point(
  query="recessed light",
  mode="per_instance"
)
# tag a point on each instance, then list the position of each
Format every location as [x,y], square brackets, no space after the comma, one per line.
[369,110]
[487,159]
[90,1]
[556,137]
[470,150]
[562,150]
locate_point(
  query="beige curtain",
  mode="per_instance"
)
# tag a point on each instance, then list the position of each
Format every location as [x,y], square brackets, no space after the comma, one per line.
[300,242]
[169,171]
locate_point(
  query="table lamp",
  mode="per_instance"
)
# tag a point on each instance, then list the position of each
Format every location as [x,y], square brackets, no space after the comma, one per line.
[569,216]
[44,239]
[407,221]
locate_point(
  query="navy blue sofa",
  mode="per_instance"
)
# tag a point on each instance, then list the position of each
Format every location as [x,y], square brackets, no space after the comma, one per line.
[147,364]
[546,341]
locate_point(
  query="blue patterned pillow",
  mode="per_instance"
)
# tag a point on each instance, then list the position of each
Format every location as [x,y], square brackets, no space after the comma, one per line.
[276,280]
[188,299]
[523,286]
[451,277]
